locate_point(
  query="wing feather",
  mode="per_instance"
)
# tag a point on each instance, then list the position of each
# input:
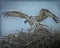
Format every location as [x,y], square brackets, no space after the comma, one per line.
[41,15]
[15,14]
[44,13]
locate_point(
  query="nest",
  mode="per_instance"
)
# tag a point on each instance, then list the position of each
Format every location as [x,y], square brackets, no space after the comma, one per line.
[41,38]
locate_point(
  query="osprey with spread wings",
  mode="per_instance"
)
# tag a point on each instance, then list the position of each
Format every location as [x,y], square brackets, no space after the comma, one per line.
[33,20]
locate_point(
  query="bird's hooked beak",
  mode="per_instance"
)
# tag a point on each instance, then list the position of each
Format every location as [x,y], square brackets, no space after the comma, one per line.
[25,21]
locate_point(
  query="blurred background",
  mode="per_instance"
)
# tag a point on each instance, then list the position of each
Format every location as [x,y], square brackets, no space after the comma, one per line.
[11,24]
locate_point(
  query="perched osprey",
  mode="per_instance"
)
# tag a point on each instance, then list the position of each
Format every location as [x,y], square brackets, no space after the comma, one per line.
[33,20]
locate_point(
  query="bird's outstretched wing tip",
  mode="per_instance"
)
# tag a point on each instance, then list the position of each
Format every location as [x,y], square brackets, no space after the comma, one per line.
[14,14]
[58,20]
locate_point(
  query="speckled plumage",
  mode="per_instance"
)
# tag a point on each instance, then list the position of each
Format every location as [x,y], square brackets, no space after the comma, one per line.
[33,20]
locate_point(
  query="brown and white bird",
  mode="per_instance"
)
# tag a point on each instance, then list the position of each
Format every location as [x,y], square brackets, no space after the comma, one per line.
[33,20]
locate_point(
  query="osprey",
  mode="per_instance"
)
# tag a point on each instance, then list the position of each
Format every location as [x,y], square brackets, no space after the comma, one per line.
[33,20]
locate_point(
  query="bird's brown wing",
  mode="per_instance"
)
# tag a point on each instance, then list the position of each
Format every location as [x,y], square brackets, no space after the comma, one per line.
[44,13]
[41,15]
[51,15]
[15,14]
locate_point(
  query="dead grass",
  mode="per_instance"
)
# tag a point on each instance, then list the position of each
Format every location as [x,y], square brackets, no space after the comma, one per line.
[41,38]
